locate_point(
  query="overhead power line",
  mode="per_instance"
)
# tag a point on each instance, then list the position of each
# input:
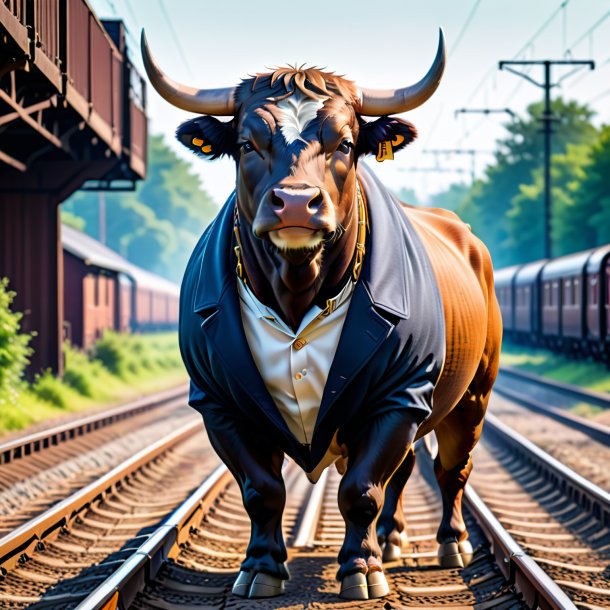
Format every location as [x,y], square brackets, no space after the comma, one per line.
[589,31]
[175,37]
[542,28]
[465,27]
[522,50]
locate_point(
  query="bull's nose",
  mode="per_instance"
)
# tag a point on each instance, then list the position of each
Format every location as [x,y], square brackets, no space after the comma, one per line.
[289,200]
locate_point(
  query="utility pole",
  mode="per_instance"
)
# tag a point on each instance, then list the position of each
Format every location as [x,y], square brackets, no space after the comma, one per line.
[547,129]
[458,151]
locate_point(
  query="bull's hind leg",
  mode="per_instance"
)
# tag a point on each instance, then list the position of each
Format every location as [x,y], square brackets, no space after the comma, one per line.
[257,467]
[375,453]
[391,525]
[457,436]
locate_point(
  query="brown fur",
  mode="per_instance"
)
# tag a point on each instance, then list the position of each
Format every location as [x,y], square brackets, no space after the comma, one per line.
[464,273]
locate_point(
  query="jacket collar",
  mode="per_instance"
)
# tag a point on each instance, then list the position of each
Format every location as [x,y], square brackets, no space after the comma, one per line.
[384,274]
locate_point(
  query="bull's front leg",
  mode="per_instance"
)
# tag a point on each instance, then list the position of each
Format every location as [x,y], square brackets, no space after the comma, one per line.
[374,455]
[257,467]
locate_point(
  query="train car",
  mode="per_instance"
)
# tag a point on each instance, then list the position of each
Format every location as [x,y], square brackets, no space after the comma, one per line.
[91,272]
[156,301]
[504,281]
[527,319]
[598,302]
[102,290]
[563,301]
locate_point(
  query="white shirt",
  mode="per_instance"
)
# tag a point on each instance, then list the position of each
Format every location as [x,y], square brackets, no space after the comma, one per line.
[294,365]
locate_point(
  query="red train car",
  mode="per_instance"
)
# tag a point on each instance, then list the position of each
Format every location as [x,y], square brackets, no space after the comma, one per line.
[562,303]
[102,291]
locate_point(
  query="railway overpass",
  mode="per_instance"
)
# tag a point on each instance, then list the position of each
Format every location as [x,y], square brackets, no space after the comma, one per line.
[72,111]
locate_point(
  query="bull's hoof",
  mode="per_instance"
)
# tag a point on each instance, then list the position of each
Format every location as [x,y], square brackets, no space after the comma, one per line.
[454,554]
[377,584]
[354,586]
[393,552]
[259,585]
[241,586]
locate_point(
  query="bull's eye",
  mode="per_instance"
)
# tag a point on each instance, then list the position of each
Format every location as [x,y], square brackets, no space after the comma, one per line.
[345,146]
[247,146]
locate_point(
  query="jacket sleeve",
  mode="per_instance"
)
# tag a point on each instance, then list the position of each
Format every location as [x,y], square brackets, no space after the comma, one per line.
[202,401]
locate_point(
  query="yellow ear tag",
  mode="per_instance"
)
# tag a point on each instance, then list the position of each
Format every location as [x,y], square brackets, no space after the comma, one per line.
[207,148]
[197,142]
[385,151]
[398,140]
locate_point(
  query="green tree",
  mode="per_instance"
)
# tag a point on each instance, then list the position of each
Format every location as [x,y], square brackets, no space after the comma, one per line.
[451,199]
[593,194]
[488,205]
[158,224]
[14,348]
[570,231]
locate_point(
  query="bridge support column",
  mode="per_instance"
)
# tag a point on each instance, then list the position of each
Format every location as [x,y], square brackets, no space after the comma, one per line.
[31,257]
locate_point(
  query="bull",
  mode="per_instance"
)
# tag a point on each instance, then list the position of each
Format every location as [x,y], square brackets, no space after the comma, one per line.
[324,320]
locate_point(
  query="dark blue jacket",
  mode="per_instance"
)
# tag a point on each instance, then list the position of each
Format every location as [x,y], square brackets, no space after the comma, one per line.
[389,356]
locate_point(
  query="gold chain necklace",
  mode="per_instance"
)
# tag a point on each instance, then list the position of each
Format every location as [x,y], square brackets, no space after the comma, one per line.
[360,248]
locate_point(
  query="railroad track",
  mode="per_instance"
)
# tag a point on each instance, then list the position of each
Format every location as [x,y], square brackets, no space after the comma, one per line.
[541,537]
[538,394]
[579,443]
[58,558]
[40,469]
[192,559]
[561,519]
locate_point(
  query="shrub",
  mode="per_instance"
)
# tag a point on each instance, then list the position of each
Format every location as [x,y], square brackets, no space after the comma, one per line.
[14,348]
[110,351]
[49,388]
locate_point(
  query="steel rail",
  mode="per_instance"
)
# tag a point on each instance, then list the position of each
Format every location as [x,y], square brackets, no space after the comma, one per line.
[32,443]
[538,589]
[585,494]
[594,430]
[24,539]
[308,525]
[120,589]
[599,399]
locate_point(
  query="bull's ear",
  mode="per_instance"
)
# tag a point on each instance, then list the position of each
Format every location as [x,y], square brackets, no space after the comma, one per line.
[208,137]
[384,137]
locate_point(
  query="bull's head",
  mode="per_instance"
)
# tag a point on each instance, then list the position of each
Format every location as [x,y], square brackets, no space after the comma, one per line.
[296,135]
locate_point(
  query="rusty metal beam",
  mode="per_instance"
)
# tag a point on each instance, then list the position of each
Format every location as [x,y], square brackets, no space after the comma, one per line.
[25,117]
[12,116]
[18,165]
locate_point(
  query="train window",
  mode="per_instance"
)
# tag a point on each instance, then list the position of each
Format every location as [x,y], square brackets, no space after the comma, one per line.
[576,292]
[593,289]
[547,294]
[555,293]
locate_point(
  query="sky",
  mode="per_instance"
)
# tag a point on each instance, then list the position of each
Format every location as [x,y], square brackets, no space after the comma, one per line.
[214,44]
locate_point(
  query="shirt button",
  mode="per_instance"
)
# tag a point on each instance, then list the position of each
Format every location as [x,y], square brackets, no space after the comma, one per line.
[300,343]
[298,376]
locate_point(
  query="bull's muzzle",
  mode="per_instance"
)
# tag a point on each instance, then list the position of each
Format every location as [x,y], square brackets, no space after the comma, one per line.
[296,207]
[295,218]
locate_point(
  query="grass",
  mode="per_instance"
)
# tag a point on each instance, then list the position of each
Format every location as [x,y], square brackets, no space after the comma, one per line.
[584,373]
[119,369]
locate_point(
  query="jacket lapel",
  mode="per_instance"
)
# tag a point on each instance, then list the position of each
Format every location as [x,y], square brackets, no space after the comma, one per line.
[217,302]
[381,295]
[364,331]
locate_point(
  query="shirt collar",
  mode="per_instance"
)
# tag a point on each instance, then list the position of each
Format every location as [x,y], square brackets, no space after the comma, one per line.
[386,268]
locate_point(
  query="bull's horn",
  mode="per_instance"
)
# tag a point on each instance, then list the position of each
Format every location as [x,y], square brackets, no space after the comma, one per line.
[377,102]
[220,102]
